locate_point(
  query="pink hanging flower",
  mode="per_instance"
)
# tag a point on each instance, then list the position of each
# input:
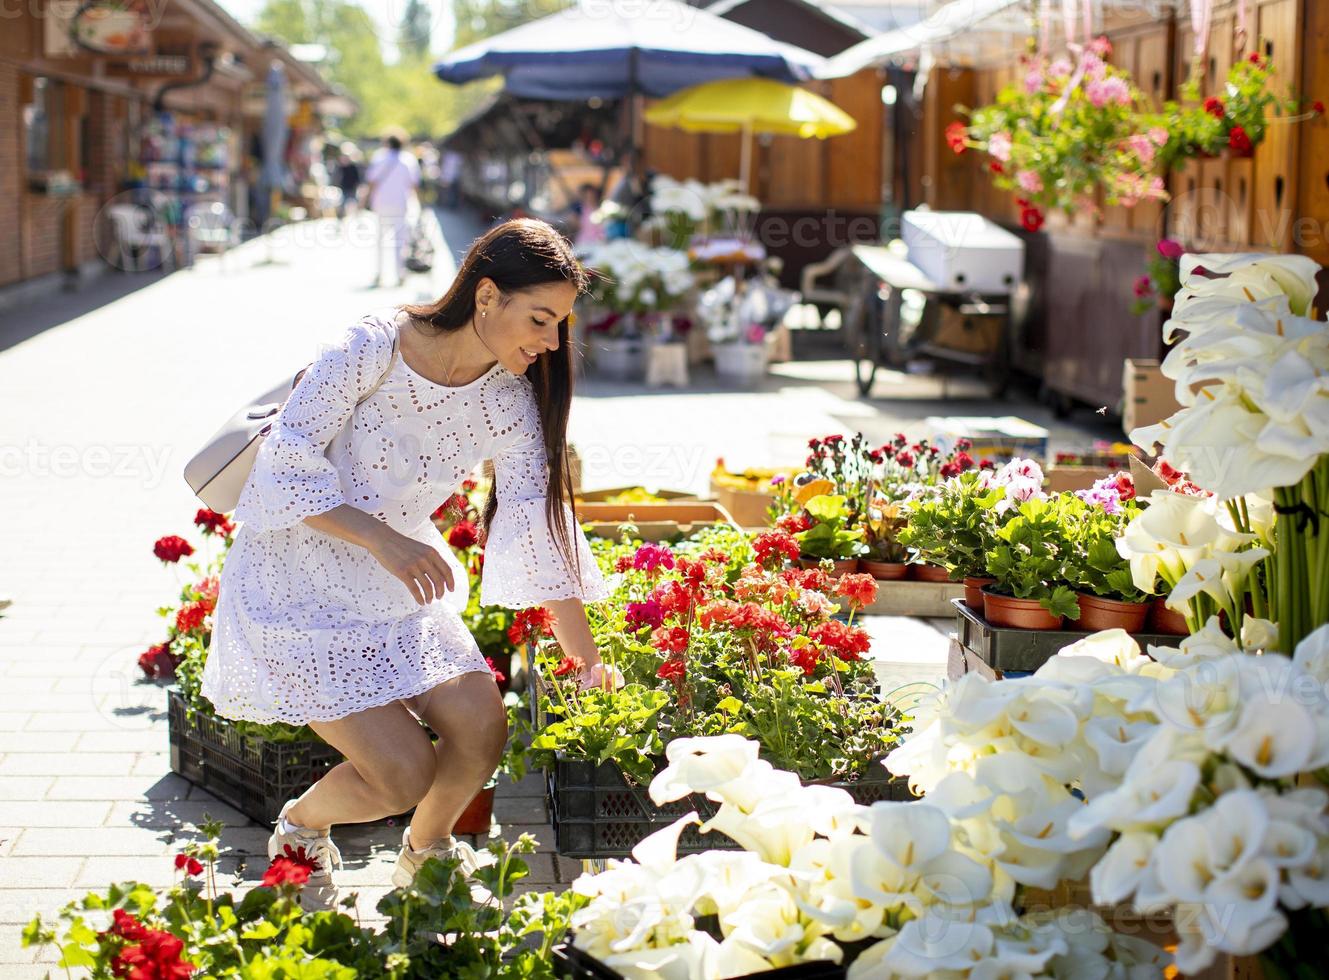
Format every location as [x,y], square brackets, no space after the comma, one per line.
[1034,81]
[1061,68]
[999,146]
[1143,286]
[1143,147]
[1030,181]
[1157,135]
[1170,249]
[1102,91]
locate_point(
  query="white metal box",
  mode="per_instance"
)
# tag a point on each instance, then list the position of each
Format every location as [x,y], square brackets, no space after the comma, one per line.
[963,251]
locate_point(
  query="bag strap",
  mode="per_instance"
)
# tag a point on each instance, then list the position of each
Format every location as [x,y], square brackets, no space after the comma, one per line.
[377,384]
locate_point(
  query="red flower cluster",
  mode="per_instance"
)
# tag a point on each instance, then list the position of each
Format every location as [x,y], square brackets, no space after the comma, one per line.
[674,597]
[806,659]
[1239,140]
[191,616]
[640,615]
[463,535]
[807,578]
[714,556]
[794,523]
[214,523]
[773,547]
[530,625]
[846,642]
[1031,219]
[148,954]
[1123,485]
[158,661]
[674,671]
[187,864]
[957,464]
[172,548]
[499,676]
[1215,107]
[569,665]
[293,867]
[623,564]
[670,639]
[956,135]
[860,590]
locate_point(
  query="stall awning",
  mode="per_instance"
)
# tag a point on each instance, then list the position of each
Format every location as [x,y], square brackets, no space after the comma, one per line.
[956,20]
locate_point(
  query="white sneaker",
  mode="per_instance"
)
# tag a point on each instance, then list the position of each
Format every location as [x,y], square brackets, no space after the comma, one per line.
[319,892]
[409,861]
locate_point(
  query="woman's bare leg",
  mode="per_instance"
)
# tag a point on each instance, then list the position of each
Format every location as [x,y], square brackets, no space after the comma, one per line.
[468,716]
[390,765]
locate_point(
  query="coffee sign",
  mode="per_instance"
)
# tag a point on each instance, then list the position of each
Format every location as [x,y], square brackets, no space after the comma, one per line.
[154,66]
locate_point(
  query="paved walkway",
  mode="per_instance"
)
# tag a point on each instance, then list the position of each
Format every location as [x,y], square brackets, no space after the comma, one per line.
[105,403]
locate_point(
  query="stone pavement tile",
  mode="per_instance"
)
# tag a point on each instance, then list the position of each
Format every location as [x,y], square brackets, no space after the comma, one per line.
[7,837]
[532,784]
[567,869]
[29,685]
[39,872]
[49,813]
[25,787]
[141,740]
[18,906]
[99,871]
[88,721]
[13,721]
[542,869]
[43,703]
[39,841]
[170,814]
[17,963]
[166,787]
[516,810]
[37,741]
[153,762]
[61,764]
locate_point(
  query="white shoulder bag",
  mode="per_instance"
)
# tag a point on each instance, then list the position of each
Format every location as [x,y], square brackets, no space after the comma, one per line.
[218,471]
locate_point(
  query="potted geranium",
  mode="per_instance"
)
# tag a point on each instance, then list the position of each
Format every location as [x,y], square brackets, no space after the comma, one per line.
[833,535]
[1029,566]
[1107,595]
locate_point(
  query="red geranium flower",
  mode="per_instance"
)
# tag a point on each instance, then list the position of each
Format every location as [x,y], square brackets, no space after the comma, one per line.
[187,864]
[467,485]
[1239,140]
[715,556]
[499,676]
[956,135]
[213,523]
[806,659]
[126,926]
[846,642]
[293,867]
[672,670]
[155,957]
[860,590]
[190,617]
[158,661]
[639,615]
[623,563]
[807,578]
[772,547]
[207,591]
[1031,219]
[996,167]
[673,597]
[569,665]
[463,535]
[670,639]
[1317,107]
[172,548]
[1214,106]
[794,523]
[1124,485]
[530,625]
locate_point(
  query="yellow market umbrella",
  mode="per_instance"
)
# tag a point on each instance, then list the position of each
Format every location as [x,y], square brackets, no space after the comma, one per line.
[751,105]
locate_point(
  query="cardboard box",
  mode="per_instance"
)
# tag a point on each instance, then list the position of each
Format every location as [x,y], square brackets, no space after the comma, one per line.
[968,334]
[654,522]
[1067,479]
[747,506]
[1147,396]
[604,493]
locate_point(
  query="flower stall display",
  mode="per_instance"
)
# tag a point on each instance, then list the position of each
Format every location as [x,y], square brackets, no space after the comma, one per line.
[887,890]
[748,494]
[1255,435]
[1106,594]
[1161,278]
[689,209]
[1065,132]
[713,634]
[737,315]
[192,930]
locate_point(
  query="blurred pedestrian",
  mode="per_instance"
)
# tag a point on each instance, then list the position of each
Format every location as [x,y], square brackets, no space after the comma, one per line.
[450,178]
[393,175]
[590,230]
[349,177]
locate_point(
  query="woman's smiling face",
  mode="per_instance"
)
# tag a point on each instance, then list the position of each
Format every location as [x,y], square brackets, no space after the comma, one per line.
[526,325]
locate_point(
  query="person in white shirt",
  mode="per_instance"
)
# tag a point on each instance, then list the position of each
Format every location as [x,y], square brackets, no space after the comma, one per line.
[393,175]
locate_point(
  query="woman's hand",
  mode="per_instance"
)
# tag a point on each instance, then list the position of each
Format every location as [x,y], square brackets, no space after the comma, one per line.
[419,566]
[599,675]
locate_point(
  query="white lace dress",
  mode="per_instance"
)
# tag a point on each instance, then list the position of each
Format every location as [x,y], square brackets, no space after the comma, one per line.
[309,627]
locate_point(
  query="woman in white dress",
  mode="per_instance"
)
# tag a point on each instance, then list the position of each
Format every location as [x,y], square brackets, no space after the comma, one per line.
[339,600]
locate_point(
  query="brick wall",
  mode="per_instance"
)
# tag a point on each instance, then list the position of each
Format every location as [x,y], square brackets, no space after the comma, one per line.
[41,234]
[10,169]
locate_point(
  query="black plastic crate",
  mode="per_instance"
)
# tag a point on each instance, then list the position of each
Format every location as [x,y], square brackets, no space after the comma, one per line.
[598,813]
[576,964]
[1016,651]
[254,775]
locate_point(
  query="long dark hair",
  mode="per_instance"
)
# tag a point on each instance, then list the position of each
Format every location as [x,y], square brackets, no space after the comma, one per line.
[518,255]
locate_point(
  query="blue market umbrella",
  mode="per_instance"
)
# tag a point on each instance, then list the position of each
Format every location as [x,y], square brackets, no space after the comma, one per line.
[597,50]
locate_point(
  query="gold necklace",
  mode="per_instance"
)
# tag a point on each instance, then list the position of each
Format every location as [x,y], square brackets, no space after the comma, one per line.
[448,381]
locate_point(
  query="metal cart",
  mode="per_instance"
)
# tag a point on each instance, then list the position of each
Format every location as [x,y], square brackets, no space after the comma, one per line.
[895,314]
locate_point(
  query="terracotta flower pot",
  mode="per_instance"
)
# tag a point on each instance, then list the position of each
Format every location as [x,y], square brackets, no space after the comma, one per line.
[842,566]
[1020,614]
[923,572]
[1097,613]
[973,590]
[884,570]
[478,815]
[1161,619]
